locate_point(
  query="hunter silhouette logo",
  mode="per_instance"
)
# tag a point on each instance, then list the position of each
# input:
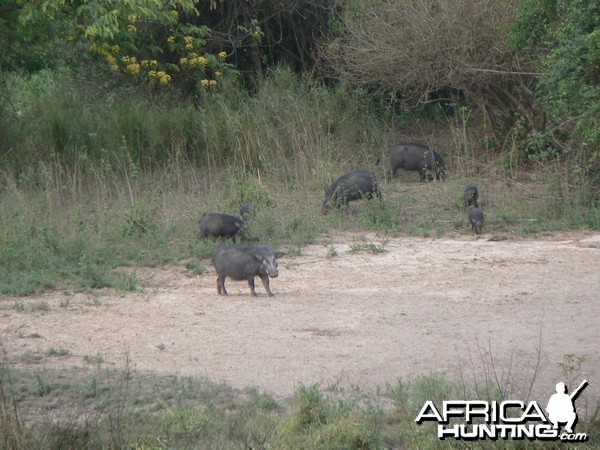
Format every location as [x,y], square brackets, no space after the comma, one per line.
[510,419]
[561,407]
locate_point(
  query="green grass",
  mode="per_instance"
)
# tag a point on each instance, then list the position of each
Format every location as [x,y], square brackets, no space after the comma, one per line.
[103,408]
[81,238]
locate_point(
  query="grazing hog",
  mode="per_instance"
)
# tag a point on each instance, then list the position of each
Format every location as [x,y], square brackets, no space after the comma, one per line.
[471,195]
[222,225]
[349,187]
[419,158]
[244,262]
[476,219]
[247,211]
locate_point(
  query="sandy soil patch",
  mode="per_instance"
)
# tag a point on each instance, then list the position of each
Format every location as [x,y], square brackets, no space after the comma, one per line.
[357,319]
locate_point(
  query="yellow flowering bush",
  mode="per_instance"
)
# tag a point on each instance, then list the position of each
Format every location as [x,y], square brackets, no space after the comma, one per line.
[182,49]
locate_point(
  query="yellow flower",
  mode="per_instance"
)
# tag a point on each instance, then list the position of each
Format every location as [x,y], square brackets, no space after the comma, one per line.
[201,60]
[125,59]
[110,59]
[132,19]
[189,46]
[175,14]
[188,39]
[171,39]
[133,69]
[218,74]
[184,61]
[165,79]
[154,63]
[212,83]
[152,73]
[145,63]
[204,83]
[114,67]
[132,28]
[115,49]
[223,55]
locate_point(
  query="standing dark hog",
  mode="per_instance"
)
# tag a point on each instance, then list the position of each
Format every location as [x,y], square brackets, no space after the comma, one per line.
[476,219]
[418,158]
[222,225]
[349,187]
[471,195]
[244,262]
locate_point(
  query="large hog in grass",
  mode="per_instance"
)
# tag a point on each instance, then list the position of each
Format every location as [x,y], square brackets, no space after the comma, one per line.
[476,219]
[222,225]
[417,158]
[349,187]
[244,262]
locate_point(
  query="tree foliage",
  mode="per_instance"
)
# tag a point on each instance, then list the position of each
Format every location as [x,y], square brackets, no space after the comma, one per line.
[152,41]
[566,38]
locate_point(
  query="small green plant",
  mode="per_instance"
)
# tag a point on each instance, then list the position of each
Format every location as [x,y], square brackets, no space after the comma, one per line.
[571,367]
[194,268]
[43,388]
[127,282]
[331,251]
[368,246]
[58,352]
[312,408]
[40,306]
[376,216]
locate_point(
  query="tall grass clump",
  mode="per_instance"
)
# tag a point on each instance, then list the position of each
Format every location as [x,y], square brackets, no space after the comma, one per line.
[61,230]
[57,117]
[291,127]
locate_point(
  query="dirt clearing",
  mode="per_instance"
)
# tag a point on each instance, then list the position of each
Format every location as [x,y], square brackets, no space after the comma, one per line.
[342,318]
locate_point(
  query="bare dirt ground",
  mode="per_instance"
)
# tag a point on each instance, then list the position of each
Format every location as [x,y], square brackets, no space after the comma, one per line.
[462,306]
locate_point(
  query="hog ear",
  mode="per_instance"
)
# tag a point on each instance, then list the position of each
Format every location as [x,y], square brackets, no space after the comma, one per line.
[279,254]
[259,256]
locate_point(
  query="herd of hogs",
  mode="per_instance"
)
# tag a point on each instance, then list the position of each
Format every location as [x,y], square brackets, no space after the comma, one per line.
[245,262]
